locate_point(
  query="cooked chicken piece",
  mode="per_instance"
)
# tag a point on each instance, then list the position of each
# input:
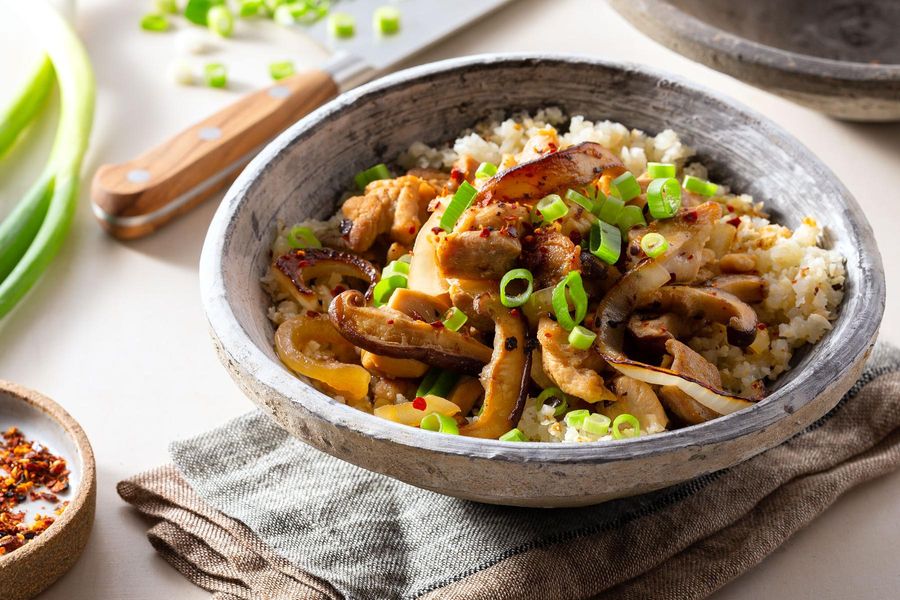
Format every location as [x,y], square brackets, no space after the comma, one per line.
[484,243]
[495,217]
[396,250]
[396,206]
[737,263]
[463,170]
[437,178]
[636,398]
[386,390]
[691,365]
[549,255]
[542,142]
[574,371]
[749,288]
[687,234]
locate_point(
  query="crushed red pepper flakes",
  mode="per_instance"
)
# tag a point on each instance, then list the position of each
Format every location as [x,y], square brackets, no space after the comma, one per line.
[419,403]
[25,468]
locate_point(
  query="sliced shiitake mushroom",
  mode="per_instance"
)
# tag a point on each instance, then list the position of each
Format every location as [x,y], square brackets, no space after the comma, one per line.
[389,332]
[295,270]
[749,288]
[636,398]
[690,364]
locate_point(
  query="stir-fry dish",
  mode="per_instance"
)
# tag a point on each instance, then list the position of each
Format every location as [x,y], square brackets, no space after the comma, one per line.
[548,279]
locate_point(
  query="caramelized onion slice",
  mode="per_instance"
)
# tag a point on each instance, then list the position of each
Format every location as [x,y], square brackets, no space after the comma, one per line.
[529,182]
[609,324]
[389,332]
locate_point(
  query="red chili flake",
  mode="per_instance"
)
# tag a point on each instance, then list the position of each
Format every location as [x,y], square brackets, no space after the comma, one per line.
[419,403]
[457,176]
[515,312]
[437,324]
[761,326]
[735,221]
[436,230]
[691,216]
[390,321]
[730,208]
[312,314]
[485,232]
[338,289]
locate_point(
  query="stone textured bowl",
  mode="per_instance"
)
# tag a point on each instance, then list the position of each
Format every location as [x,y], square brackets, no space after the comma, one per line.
[839,57]
[304,171]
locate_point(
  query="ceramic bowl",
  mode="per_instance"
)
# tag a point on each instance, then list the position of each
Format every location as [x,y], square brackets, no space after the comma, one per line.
[837,57]
[28,570]
[304,171]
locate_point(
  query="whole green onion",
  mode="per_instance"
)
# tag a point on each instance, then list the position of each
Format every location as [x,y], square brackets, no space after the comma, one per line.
[663,198]
[699,186]
[596,424]
[581,200]
[631,216]
[281,69]
[513,435]
[605,242]
[27,104]
[385,287]
[386,20]
[571,287]
[302,237]
[656,170]
[626,186]
[551,208]
[575,418]
[555,398]
[461,200]
[485,170]
[455,319]
[653,244]
[364,178]
[633,430]
[441,423]
[581,338]
[519,299]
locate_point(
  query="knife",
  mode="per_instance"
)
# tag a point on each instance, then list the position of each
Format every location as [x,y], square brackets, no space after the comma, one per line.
[135,198]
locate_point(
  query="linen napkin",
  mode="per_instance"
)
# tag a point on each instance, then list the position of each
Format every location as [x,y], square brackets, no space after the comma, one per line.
[249,512]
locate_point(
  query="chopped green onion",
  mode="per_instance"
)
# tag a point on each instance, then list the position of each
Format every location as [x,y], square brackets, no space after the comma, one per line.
[196,11]
[250,8]
[288,14]
[396,267]
[444,383]
[386,20]
[485,170]
[302,237]
[630,216]
[407,258]
[513,435]
[560,300]
[220,21]
[441,423]
[610,210]
[272,6]
[699,186]
[606,242]
[656,170]
[281,69]
[663,198]
[342,25]
[653,244]
[216,75]
[518,299]
[555,398]
[626,186]
[364,178]
[596,424]
[581,200]
[460,202]
[581,338]
[551,208]
[455,319]
[576,418]
[596,196]
[154,22]
[633,430]
[167,7]
[428,382]
[384,289]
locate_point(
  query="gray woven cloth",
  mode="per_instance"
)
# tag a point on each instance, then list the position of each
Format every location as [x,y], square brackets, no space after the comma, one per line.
[249,512]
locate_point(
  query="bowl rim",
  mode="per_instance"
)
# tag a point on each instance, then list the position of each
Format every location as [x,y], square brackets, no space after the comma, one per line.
[240,353]
[86,488]
[681,24]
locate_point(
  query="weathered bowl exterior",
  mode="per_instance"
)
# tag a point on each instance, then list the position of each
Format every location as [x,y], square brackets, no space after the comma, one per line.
[854,91]
[303,173]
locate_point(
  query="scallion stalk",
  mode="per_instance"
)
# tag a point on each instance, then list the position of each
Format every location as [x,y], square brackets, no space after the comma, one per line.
[26,106]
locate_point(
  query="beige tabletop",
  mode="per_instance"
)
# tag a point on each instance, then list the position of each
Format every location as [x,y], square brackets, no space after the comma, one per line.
[115,332]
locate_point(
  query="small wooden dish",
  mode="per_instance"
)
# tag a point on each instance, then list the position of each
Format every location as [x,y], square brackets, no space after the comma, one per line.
[27,571]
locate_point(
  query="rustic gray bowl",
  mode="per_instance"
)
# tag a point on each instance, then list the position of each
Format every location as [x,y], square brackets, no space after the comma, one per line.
[304,171]
[838,57]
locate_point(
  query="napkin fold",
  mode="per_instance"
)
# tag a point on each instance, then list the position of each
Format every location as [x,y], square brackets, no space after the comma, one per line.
[246,511]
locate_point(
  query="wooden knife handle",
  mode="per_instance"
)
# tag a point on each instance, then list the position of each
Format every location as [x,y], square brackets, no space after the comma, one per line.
[136,198]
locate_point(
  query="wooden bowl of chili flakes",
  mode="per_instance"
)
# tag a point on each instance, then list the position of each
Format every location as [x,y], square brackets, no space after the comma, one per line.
[48,491]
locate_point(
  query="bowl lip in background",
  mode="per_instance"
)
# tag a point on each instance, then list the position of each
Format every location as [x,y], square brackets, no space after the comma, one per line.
[80,507]
[236,348]
[651,15]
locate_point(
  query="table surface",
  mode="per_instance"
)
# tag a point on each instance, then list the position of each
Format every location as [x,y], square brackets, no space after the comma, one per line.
[116,334]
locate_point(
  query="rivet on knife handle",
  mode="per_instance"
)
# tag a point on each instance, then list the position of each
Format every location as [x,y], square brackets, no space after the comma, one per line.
[135,198]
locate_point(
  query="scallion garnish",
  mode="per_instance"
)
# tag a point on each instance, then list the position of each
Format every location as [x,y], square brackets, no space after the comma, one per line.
[699,186]
[364,178]
[427,382]
[513,435]
[571,287]
[155,22]
[196,11]
[455,319]
[460,202]
[598,198]
[167,7]
[654,244]
[551,208]
[633,426]
[386,20]
[663,198]
[443,384]
[610,210]
[281,69]
[519,299]
[630,216]
[575,418]
[396,267]
[216,75]
[605,242]
[555,398]
[441,423]
[302,237]
[384,289]
[581,200]
[656,170]
[250,8]
[485,170]
[581,338]
[626,186]
[596,424]
[220,21]
[341,25]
